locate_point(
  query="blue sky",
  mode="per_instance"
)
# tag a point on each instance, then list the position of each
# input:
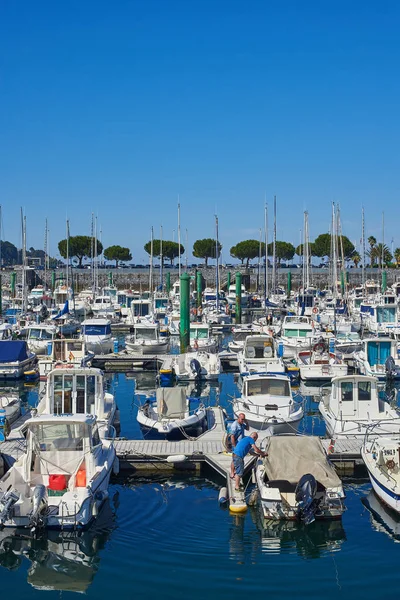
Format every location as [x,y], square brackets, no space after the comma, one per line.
[118,108]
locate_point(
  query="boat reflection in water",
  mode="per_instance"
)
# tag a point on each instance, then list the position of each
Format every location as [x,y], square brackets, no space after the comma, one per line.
[278,537]
[383,519]
[60,560]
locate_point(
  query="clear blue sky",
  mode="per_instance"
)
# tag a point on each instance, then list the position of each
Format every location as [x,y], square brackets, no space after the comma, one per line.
[118,107]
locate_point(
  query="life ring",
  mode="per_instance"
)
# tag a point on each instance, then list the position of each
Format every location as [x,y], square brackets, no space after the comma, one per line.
[315,310]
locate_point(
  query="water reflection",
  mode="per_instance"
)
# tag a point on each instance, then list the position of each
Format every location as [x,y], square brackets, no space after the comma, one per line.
[307,541]
[383,519]
[59,560]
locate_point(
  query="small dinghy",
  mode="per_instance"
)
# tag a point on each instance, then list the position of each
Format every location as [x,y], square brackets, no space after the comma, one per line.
[10,402]
[297,482]
[170,416]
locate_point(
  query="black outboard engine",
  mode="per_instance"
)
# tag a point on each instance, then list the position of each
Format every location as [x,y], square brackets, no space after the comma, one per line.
[390,367]
[195,367]
[305,497]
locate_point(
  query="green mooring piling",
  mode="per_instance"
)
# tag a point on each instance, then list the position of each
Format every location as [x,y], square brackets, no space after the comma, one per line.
[185,311]
[110,279]
[238,317]
[289,283]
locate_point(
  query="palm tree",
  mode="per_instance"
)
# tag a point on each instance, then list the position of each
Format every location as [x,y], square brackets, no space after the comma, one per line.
[396,255]
[379,252]
[356,259]
[371,253]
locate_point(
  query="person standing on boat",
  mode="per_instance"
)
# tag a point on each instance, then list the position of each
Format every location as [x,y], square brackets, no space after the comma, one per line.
[241,449]
[237,433]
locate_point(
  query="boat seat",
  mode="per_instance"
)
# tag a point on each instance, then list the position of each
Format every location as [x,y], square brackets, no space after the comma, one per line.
[267,352]
[250,352]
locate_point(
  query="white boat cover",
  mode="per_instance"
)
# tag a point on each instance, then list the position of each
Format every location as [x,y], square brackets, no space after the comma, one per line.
[290,457]
[171,402]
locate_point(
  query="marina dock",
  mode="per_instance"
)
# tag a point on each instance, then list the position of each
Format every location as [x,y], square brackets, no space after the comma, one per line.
[189,454]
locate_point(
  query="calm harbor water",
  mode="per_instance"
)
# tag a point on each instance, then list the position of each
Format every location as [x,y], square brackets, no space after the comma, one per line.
[166,536]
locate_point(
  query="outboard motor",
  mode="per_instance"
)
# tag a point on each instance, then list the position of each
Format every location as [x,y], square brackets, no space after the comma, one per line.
[195,367]
[305,497]
[390,367]
[7,502]
[39,504]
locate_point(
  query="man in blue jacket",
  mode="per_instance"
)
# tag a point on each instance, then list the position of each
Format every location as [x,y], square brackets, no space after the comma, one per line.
[237,432]
[241,449]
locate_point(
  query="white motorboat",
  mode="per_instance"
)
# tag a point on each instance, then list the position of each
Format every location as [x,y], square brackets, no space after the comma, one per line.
[61,481]
[297,482]
[195,366]
[259,355]
[171,416]
[320,364]
[201,338]
[64,351]
[381,457]
[15,359]
[39,336]
[6,332]
[104,306]
[146,339]
[268,404]
[72,390]
[378,358]
[353,405]
[297,334]
[96,333]
[239,335]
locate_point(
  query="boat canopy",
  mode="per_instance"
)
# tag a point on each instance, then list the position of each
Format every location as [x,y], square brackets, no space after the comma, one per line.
[171,402]
[291,457]
[13,351]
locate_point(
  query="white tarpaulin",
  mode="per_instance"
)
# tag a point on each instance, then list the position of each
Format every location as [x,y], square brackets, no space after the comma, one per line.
[171,402]
[290,457]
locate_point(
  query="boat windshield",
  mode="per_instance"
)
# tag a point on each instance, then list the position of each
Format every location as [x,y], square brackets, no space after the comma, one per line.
[40,334]
[146,334]
[199,333]
[273,387]
[97,330]
[296,332]
[60,436]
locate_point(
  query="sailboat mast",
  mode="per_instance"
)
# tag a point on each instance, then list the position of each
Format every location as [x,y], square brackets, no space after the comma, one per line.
[363,248]
[179,240]
[217,263]
[161,258]
[151,261]
[274,252]
[266,292]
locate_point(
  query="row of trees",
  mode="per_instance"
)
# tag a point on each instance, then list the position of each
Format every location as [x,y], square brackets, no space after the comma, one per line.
[81,247]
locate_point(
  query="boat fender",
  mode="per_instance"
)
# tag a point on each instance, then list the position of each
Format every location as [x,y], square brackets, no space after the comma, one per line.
[176,458]
[223,496]
[116,465]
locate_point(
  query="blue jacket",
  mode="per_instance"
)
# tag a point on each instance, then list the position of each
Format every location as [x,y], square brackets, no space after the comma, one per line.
[243,447]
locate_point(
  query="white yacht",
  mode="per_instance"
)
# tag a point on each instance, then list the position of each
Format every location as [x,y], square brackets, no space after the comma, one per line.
[298,333]
[39,337]
[268,404]
[259,355]
[146,339]
[381,456]
[320,364]
[201,338]
[96,333]
[64,351]
[352,406]
[61,481]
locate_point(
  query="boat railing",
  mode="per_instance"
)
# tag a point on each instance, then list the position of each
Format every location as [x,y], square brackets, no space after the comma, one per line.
[255,409]
[111,433]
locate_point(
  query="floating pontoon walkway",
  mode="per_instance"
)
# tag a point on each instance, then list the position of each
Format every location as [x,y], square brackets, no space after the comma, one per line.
[208,448]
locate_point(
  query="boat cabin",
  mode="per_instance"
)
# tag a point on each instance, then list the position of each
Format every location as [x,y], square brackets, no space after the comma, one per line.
[75,391]
[355,396]
[96,327]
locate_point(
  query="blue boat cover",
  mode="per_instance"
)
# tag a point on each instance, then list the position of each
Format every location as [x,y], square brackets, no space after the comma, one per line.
[13,351]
